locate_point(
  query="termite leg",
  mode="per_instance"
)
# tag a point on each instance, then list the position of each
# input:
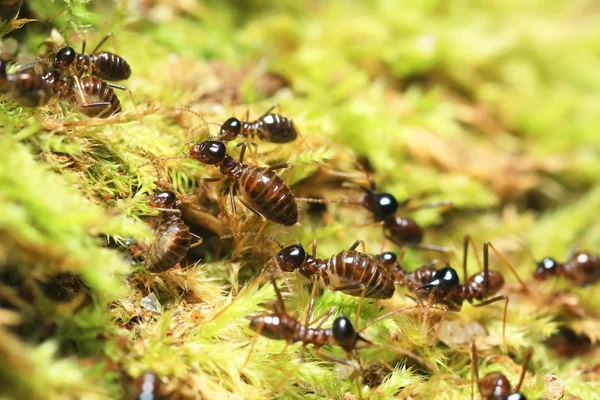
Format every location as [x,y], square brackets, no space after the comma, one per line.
[355,245]
[493,300]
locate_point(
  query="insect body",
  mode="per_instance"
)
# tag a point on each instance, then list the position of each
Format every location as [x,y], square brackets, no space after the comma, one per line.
[402,231]
[445,288]
[269,127]
[90,95]
[173,238]
[495,385]
[581,269]
[349,271]
[103,65]
[262,190]
[282,326]
[25,87]
[418,277]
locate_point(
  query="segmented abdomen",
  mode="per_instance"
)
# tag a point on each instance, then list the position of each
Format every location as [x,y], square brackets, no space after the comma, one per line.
[272,128]
[583,268]
[172,243]
[29,89]
[263,189]
[110,67]
[96,91]
[281,326]
[418,277]
[352,267]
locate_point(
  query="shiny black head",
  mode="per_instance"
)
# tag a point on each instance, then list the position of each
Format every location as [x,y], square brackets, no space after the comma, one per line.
[164,199]
[545,269]
[382,205]
[516,396]
[443,280]
[64,57]
[344,333]
[230,129]
[290,258]
[209,152]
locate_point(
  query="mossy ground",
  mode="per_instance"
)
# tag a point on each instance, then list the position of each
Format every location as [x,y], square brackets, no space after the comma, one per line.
[493,105]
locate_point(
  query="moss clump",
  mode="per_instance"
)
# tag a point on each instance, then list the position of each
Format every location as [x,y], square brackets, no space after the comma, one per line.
[491,105]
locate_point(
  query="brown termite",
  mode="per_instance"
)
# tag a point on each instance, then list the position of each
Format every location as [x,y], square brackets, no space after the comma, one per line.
[103,65]
[269,127]
[90,95]
[402,231]
[25,87]
[581,268]
[173,237]
[445,288]
[420,276]
[262,191]
[495,385]
[282,326]
[349,271]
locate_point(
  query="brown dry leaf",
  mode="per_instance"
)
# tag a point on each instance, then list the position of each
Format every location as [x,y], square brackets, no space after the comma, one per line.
[506,174]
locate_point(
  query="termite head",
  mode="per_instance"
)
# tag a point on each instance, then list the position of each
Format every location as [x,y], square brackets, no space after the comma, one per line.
[443,280]
[64,57]
[389,261]
[345,335]
[208,152]
[494,385]
[51,77]
[382,205]
[290,258]
[164,199]
[230,129]
[545,269]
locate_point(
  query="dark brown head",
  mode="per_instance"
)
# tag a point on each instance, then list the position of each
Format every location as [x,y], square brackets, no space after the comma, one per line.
[443,282]
[165,199]
[382,205]
[209,152]
[345,335]
[546,269]
[273,326]
[230,129]
[64,57]
[290,258]
[494,386]
[389,261]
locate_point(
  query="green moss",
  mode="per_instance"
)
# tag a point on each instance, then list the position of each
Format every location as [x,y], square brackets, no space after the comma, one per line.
[491,105]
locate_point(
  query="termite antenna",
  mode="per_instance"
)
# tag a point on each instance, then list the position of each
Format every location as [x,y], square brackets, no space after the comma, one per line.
[525,245]
[171,157]
[326,201]
[26,66]
[253,234]
[209,137]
